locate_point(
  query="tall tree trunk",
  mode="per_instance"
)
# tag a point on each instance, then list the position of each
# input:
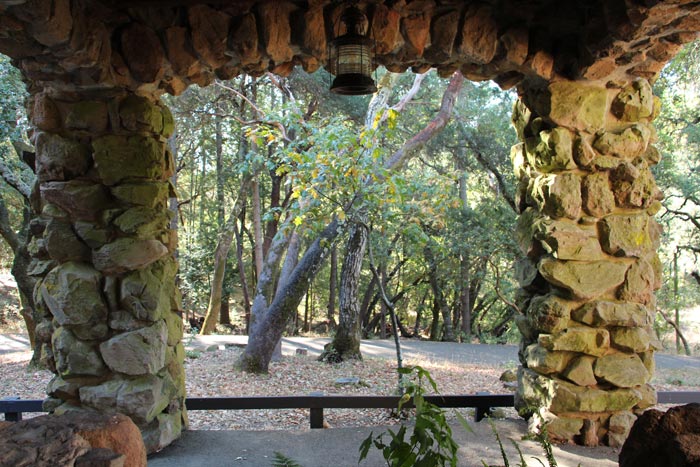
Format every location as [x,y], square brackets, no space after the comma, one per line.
[242,276]
[439,294]
[346,341]
[257,228]
[220,254]
[332,287]
[464,297]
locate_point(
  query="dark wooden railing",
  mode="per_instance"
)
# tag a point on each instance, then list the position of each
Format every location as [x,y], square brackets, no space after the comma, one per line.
[13,408]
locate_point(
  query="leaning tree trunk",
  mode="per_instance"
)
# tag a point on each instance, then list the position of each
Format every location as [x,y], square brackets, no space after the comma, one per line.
[268,322]
[220,254]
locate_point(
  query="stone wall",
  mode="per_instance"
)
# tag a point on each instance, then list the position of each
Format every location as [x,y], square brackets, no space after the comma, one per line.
[103,252]
[587,199]
[169,44]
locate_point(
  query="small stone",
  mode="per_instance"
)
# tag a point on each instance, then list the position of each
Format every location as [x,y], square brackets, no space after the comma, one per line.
[347,381]
[509,376]
[621,370]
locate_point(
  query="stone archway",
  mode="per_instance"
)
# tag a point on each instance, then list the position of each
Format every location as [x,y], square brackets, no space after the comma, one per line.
[104,251]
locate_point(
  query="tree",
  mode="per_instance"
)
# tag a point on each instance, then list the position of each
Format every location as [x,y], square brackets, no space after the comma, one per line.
[16,169]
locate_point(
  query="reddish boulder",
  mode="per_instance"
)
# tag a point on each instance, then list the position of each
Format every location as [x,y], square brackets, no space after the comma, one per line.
[658,439]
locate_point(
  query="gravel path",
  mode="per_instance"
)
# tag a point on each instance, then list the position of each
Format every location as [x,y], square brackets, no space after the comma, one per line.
[447,352]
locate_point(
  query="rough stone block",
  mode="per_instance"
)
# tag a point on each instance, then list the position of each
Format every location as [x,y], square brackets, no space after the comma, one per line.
[60,159]
[143,293]
[580,371]
[639,283]
[596,195]
[634,102]
[71,292]
[571,398]
[551,150]
[630,339]
[584,279]
[137,352]
[582,339]
[479,35]
[139,114]
[120,158]
[621,370]
[569,241]
[90,116]
[544,361]
[81,200]
[127,254]
[75,357]
[626,235]
[578,106]
[62,244]
[632,142]
[150,195]
[549,313]
[606,313]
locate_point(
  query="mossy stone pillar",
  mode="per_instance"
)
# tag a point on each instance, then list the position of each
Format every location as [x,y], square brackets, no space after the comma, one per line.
[587,199]
[111,327]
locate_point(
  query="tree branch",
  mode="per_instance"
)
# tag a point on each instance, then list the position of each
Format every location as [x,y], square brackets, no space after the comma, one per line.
[431,129]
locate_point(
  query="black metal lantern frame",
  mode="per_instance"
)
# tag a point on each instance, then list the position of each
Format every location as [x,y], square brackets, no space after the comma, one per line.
[350,56]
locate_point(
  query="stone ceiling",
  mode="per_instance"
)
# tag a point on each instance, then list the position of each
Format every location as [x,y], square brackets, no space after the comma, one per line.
[166,45]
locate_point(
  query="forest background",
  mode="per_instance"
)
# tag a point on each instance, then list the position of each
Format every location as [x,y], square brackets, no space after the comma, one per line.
[302,212]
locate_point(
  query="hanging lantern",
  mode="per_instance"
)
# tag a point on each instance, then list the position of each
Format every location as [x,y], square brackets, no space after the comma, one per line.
[350,57]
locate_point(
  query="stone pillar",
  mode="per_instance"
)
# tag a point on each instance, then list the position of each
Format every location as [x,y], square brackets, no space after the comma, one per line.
[587,199]
[103,253]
